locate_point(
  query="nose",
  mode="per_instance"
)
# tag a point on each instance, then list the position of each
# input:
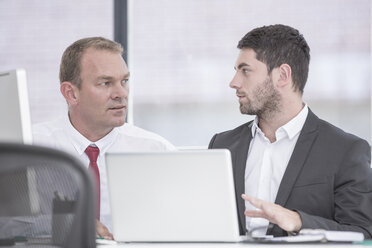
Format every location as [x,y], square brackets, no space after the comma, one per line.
[235,82]
[120,91]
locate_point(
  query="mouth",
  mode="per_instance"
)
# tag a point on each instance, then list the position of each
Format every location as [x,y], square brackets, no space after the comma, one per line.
[119,107]
[240,96]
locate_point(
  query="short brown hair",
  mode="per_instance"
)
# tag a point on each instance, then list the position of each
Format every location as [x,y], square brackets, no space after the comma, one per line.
[278,44]
[71,59]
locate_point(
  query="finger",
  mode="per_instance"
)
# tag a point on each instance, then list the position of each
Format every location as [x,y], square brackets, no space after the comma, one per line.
[109,236]
[247,197]
[102,231]
[253,200]
[254,213]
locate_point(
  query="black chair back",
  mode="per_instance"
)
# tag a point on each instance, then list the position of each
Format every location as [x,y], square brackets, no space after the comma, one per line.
[46,198]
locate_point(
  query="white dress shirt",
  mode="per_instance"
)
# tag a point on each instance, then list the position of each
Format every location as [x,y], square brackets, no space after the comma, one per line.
[267,162]
[60,134]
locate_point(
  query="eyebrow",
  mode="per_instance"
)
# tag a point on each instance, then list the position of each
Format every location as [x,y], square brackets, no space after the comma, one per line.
[105,77]
[241,65]
[127,75]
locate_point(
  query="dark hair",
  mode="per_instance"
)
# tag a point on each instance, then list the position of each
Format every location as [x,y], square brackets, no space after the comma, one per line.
[279,44]
[70,63]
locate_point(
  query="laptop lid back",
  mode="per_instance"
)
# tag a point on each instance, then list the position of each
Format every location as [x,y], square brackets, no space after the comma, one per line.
[183,196]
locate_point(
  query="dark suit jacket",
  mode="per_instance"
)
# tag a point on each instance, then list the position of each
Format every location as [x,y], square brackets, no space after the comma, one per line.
[328,180]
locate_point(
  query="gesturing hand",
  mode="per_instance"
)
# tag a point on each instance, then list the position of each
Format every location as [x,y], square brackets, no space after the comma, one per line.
[286,219]
[102,231]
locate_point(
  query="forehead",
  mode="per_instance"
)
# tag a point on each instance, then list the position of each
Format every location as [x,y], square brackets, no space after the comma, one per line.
[247,56]
[98,62]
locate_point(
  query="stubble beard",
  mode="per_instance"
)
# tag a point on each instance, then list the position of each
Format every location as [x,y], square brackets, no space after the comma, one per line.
[265,103]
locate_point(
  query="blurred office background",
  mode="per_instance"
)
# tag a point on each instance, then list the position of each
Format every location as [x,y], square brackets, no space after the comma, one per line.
[181,56]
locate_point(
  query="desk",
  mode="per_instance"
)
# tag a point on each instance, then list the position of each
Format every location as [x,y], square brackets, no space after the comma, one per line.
[223,245]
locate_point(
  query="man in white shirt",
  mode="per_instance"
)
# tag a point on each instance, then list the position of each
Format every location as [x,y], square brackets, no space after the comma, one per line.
[291,169]
[94,81]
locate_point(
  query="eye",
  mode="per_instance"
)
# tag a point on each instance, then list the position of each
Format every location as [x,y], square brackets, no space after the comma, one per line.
[245,70]
[124,81]
[104,83]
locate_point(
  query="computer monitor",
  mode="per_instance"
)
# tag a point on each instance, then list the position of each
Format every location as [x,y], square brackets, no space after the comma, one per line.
[15,124]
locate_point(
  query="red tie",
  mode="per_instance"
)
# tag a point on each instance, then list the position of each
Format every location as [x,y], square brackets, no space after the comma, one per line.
[92,152]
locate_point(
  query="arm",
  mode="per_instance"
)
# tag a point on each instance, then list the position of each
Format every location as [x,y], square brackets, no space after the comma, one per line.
[210,146]
[352,194]
[352,198]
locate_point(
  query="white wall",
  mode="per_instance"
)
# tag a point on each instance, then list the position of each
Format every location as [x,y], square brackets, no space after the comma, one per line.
[182,55]
[34,34]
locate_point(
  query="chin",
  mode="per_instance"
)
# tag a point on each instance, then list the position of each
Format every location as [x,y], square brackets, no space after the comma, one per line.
[245,110]
[117,122]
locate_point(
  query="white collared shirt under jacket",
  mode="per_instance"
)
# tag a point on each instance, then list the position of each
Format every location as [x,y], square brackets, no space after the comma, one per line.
[267,162]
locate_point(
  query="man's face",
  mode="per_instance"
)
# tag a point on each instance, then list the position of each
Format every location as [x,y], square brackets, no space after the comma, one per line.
[254,86]
[103,96]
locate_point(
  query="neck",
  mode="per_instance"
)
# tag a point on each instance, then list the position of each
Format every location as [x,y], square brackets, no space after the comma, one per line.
[88,130]
[270,122]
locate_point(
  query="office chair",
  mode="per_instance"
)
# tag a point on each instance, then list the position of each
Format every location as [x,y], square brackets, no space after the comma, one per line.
[46,198]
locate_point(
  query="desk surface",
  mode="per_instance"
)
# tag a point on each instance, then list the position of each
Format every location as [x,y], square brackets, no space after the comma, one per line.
[223,245]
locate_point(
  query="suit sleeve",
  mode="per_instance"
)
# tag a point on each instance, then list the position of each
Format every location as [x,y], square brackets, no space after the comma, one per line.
[210,146]
[352,194]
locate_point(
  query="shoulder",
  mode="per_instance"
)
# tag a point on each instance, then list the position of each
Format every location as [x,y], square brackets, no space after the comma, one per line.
[332,134]
[146,138]
[349,145]
[236,131]
[46,131]
[230,136]
[335,144]
[52,133]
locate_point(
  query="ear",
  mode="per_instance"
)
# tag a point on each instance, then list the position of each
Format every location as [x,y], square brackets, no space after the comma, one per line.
[285,75]
[70,92]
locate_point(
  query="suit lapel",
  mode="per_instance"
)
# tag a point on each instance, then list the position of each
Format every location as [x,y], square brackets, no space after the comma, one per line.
[298,158]
[239,155]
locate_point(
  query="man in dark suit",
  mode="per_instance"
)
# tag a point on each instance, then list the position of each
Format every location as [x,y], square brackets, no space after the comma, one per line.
[292,170]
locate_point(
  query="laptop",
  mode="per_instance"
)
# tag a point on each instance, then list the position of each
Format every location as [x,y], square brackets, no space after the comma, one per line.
[182,196]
